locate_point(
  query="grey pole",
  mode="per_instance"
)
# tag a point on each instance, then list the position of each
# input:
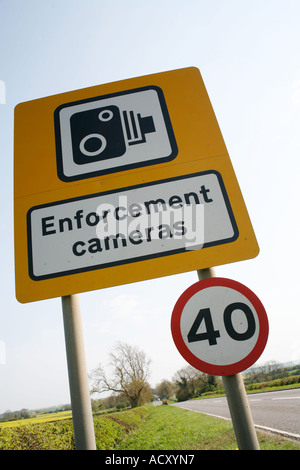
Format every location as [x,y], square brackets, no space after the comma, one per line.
[205,273]
[240,412]
[78,376]
[237,399]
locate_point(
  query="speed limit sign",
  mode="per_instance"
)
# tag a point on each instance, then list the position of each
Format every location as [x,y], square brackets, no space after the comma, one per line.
[219,326]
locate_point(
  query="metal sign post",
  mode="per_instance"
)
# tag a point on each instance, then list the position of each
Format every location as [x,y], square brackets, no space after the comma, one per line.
[240,412]
[237,399]
[78,377]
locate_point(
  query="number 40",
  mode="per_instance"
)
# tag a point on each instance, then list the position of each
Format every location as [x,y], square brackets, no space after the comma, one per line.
[211,335]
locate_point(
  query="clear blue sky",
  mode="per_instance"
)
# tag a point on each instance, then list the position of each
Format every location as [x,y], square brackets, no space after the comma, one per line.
[248,54]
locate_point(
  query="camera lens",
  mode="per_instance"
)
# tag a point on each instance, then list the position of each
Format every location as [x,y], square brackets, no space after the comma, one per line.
[97,134]
[92,141]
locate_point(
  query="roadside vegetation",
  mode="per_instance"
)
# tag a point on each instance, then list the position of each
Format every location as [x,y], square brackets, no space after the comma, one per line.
[143,428]
[110,429]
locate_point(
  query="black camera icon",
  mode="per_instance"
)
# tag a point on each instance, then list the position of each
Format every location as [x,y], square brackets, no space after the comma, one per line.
[111,133]
[102,133]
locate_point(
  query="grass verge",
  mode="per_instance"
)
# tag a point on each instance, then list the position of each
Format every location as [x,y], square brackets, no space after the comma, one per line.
[113,428]
[171,428]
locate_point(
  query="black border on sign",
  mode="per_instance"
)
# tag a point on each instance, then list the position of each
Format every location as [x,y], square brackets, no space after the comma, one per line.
[130,260]
[167,120]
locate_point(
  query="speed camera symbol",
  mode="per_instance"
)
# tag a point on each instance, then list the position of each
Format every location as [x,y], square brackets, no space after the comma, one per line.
[113,133]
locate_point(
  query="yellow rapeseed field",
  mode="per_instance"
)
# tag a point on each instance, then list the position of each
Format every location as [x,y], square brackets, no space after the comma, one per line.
[42,418]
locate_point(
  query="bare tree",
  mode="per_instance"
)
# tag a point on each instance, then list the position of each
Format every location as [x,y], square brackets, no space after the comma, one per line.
[130,371]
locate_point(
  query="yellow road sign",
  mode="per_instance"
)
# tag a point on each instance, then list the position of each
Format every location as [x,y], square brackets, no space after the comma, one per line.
[123,182]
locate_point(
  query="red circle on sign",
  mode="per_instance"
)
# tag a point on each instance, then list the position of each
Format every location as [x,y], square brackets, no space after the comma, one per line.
[206,367]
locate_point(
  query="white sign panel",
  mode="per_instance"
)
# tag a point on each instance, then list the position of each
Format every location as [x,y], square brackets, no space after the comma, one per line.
[132,224]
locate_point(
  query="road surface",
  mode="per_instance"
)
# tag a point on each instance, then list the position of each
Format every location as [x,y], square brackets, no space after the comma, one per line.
[277,411]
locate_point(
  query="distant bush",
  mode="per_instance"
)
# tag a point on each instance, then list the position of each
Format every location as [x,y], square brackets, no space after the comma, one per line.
[294,379]
[121,406]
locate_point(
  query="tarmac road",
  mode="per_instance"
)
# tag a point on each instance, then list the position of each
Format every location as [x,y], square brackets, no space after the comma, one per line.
[277,411]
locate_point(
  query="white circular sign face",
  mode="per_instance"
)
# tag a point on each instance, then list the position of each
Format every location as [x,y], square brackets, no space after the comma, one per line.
[219,326]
